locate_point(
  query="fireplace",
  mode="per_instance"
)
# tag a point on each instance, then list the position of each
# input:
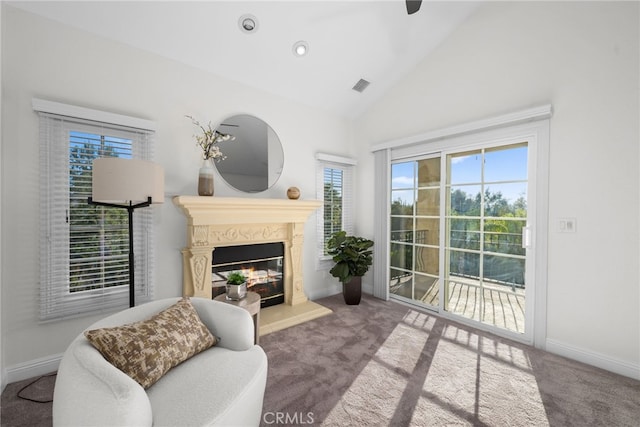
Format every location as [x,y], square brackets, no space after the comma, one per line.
[215,223]
[261,263]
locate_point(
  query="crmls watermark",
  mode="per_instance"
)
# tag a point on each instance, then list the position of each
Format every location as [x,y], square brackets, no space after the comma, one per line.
[299,418]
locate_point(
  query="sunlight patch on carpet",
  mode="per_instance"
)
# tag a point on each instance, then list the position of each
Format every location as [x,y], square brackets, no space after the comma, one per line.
[429,373]
[374,396]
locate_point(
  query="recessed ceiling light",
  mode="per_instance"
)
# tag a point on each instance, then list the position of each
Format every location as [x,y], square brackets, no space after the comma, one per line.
[248,23]
[300,48]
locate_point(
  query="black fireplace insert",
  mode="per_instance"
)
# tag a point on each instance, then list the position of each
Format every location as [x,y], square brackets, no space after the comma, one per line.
[263,264]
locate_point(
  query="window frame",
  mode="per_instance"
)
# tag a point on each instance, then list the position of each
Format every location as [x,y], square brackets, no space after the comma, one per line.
[57,121]
[347,166]
[533,125]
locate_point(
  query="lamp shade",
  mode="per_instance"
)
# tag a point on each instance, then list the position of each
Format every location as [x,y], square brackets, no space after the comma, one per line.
[117,180]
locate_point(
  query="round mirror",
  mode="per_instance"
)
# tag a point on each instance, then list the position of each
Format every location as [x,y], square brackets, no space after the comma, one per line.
[254,159]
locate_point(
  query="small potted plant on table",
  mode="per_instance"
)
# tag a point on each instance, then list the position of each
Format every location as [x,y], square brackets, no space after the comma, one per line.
[236,286]
[353,257]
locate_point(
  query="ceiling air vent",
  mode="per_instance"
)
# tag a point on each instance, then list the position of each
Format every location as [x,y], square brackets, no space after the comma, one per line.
[361,85]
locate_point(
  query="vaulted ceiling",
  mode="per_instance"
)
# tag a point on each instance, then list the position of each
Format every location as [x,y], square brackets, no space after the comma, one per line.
[377,41]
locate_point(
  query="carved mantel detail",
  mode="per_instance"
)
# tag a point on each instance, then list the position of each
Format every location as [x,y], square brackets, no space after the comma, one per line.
[220,221]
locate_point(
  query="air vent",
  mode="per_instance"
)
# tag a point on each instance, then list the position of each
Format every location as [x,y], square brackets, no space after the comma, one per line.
[361,85]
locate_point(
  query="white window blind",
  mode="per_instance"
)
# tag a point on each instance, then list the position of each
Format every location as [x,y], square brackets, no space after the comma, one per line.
[335,188]
[84,248]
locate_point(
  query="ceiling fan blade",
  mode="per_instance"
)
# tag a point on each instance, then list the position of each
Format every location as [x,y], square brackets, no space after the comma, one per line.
[413,6]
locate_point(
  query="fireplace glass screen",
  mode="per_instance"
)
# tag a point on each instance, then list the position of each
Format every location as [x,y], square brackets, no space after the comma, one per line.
[262,264]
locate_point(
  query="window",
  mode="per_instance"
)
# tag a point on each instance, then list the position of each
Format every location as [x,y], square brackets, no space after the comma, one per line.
[84,248]
[335,189]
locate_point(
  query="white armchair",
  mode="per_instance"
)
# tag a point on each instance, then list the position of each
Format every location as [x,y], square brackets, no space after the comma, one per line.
[223,385]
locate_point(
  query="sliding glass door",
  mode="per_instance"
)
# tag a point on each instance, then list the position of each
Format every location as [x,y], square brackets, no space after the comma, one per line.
[459,233]
[485,223]
[415,230]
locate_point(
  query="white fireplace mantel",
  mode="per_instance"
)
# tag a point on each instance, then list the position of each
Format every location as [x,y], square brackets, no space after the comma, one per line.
[230,221]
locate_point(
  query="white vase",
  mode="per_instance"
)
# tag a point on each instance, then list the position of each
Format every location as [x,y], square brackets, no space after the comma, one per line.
[205,179]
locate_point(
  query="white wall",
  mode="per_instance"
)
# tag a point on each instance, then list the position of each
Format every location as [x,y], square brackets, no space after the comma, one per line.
[47,60]
[581,57]
[3,381]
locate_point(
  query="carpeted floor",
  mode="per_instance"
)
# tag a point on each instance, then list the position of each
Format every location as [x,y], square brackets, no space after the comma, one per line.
[386,364]
[28,403]
[382,363]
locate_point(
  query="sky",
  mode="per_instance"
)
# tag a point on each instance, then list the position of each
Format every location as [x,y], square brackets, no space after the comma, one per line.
[502,166]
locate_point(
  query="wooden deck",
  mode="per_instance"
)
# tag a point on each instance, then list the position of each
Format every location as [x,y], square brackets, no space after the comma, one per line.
[503,305]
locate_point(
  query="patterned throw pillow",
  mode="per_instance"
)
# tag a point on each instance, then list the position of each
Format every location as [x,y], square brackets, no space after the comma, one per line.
[148,349]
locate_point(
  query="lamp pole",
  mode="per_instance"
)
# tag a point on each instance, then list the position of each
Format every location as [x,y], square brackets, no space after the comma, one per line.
[130,208]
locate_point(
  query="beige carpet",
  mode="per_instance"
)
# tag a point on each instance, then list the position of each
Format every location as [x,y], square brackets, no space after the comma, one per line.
[382,363]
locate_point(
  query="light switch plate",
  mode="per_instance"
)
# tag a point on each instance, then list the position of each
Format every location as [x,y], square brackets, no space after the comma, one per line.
[566,225]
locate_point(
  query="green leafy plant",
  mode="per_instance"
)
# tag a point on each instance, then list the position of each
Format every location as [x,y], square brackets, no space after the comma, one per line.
[352,255]
[236,278]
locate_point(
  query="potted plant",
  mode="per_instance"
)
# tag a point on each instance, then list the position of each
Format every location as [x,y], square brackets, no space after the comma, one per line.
[353,257]
[236,286]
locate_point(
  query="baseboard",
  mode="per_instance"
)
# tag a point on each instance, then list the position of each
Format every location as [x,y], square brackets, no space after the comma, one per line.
[325,292]
[335,289]
[3,379]
[592,358]
[367,288]
[33,368]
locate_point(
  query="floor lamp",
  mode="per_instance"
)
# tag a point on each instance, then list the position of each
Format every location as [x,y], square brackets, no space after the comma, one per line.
[127,184]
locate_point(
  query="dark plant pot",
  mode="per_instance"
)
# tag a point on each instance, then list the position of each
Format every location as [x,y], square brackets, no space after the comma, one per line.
[352,291]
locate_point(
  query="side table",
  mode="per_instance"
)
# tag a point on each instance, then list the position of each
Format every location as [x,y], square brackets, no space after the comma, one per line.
[251,303]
